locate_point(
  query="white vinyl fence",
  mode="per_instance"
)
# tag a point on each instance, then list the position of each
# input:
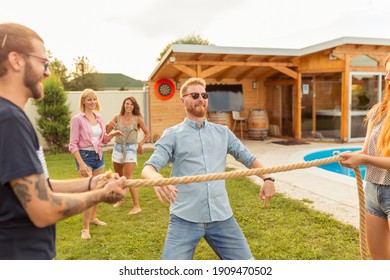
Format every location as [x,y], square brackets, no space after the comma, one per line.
[110,101]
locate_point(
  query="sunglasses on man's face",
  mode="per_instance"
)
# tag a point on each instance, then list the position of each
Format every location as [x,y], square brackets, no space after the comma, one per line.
[195,95]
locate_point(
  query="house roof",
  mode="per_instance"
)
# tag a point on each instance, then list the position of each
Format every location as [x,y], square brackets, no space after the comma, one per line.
[219,62]
[106,81]
[119,81]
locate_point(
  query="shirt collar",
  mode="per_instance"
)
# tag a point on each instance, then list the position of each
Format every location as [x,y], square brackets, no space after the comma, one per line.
[194,124]
[97,116]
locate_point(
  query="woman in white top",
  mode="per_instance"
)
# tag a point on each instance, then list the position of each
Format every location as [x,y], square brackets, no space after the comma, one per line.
[87,138]
[124,154]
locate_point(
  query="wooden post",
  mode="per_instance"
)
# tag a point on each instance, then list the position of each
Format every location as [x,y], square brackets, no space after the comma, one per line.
[298,109]
[344,100]
[314,109]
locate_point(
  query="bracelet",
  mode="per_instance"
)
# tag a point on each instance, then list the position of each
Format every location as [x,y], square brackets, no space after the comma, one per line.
[269,179]
[89,183]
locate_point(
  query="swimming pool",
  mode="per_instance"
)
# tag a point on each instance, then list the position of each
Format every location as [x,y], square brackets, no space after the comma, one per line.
[335,166]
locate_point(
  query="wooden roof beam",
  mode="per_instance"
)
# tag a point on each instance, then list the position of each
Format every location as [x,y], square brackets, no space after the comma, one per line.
[223,74]
[245,74]
[357,49]
[185,69]
[179,76]
[291,73]
[223,57]
[249,57]
[267,73]
[198,72]
[199,56]
[235,63]
[270,58]
[212,70]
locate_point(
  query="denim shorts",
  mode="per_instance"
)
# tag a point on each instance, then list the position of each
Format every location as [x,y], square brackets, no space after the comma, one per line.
[377,199]
[91,159]
[130,156]
[224,237]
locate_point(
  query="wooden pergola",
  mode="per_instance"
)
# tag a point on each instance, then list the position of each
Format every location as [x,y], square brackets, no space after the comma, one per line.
[257,68]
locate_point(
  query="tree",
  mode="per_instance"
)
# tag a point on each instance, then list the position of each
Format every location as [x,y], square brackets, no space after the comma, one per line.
[84,75]
[54,112]
[59,69]
[192,39]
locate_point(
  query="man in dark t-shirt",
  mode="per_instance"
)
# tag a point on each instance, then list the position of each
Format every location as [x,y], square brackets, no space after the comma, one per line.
[30,203]
[19,157]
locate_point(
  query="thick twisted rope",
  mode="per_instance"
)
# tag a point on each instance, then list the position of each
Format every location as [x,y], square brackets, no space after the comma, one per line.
[362,215]
[227,175]
[258,171]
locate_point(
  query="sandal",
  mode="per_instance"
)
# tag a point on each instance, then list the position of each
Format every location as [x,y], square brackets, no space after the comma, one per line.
[97,222]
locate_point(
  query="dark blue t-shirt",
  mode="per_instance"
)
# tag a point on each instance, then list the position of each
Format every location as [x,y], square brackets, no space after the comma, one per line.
[20,156]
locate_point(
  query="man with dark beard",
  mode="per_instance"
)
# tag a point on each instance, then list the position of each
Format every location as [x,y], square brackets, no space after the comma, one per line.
[201,210]
[30,203]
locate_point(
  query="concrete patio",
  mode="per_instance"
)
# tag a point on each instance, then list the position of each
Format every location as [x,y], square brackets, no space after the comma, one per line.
[329,192]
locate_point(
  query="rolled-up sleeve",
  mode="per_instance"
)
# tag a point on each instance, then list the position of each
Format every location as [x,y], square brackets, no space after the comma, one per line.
[74,135]
[239,151]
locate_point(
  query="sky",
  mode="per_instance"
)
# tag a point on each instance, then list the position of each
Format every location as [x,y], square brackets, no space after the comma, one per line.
[127,36]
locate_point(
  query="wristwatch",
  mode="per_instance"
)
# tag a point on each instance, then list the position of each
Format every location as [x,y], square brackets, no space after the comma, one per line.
[269,179]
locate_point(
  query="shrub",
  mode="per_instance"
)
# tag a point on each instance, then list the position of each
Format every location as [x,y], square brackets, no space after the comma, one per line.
[54,113]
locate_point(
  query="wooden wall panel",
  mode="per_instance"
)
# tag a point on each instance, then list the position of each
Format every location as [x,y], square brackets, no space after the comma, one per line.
[166,113]
[319,62]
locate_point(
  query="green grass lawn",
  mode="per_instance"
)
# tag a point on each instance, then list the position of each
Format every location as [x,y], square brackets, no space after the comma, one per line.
[286,230]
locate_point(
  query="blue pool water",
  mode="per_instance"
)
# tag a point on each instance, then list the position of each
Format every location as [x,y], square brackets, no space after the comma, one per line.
[335,166]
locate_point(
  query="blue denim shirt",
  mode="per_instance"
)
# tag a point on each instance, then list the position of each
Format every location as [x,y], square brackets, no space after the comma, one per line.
[194,150]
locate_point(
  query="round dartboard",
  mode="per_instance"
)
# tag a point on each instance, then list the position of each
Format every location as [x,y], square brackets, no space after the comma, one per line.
[164,89]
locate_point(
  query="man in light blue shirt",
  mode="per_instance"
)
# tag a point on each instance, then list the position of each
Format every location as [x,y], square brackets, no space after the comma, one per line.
[202,209]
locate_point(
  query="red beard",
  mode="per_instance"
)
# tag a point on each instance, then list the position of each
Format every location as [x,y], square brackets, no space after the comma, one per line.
[198,110]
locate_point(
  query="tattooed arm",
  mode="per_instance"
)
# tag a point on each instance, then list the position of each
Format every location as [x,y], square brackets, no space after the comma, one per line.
[45,207]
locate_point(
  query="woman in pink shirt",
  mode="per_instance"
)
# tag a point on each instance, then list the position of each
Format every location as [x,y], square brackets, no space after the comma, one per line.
[87,138]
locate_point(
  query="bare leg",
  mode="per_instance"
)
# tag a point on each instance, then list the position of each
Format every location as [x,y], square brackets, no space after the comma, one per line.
[128,170]
[90,214]
[93,218]
[86,218]
[136,206]
[118,167]
[378,237]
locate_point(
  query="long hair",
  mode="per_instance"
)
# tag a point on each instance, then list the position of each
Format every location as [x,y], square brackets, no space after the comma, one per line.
[136,110]
[378,113]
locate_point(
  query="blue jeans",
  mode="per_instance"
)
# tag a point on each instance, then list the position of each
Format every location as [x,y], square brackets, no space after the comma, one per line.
[91,159]
[224,237]
[377,199]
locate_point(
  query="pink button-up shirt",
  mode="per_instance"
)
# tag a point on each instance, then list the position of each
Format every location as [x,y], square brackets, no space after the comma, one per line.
[81,134]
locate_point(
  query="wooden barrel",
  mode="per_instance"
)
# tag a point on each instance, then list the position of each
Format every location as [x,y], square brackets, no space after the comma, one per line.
[220,118]
[258,124]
